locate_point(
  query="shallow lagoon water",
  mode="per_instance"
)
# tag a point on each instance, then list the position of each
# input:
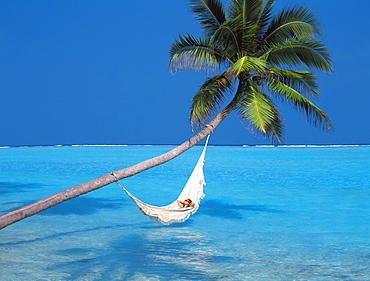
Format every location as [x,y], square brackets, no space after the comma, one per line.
[274,213]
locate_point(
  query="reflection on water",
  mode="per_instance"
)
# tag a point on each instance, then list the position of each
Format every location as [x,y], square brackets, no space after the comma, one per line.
[180,246]
[166,251]
[122,252]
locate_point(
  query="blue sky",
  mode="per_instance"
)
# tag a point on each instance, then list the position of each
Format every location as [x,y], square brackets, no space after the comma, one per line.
[95,72]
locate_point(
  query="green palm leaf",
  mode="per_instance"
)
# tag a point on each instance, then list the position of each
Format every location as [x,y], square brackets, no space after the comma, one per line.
[196,54]
[297,52]
[265,16]
[289,30]
[314,114]
[292,22]
[248,11]
[227,40]
[210,14]
[246,16]
[258,110]
[209,98]
[304,82]
[247,64]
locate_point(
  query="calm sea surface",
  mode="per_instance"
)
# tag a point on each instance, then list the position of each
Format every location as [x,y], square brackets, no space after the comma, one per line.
[276,213]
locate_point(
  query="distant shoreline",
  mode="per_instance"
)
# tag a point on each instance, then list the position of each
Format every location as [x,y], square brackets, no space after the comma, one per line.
[174,145]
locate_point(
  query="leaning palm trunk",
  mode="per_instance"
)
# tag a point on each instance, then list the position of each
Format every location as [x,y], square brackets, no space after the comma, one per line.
[41,205]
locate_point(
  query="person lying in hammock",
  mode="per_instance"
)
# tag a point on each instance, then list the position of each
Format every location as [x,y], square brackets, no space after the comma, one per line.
[186,203]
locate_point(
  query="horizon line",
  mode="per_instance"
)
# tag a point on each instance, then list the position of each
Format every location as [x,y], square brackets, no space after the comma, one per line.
[236,145]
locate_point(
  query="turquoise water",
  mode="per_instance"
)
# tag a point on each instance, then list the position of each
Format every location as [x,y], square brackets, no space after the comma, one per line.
[276,213]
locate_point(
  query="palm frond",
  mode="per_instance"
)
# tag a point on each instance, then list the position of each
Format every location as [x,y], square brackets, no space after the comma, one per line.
[314,114]
[236,38]
[209,98]
[235,9]
[304,82]
[266,15]
[258,110]
[245,16]
[267,9]
[308,52]
[226,38]
[195,54]
[210,13]
[293,22]
[247,64]
[249,10]
[292,29]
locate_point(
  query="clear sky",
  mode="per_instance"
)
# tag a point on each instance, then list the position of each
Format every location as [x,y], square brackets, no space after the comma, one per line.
[95,72]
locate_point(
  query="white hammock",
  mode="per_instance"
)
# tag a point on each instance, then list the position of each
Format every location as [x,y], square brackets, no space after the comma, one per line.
[172,212]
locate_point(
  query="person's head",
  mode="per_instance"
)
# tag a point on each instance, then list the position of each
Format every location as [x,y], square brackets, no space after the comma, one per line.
[188,201]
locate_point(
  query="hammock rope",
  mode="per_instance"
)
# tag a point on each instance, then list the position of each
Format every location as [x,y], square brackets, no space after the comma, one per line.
[173,212]
[118,182]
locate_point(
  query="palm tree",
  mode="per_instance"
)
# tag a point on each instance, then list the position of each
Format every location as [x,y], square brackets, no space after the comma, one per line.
[250,49]
[257,53]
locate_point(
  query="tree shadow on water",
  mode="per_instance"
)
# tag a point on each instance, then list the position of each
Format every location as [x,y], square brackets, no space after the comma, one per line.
[163,253]
[13,187]
[83,206]
[78,206]
[58,235]
[221,209]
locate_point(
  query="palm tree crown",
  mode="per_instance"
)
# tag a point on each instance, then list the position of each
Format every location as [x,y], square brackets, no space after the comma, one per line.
[259,53]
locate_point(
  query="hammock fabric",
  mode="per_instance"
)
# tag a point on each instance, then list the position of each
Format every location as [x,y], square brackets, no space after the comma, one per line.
[172,212]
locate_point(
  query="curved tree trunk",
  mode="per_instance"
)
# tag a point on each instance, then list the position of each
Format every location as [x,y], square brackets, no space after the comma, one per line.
[41,205]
